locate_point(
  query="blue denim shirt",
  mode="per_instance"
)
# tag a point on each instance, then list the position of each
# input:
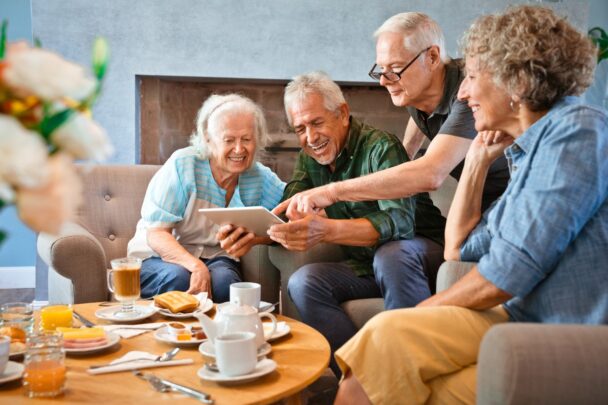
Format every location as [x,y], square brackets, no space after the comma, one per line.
[546,240]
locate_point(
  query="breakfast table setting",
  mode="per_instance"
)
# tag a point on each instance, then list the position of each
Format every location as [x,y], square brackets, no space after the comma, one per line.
[176,347]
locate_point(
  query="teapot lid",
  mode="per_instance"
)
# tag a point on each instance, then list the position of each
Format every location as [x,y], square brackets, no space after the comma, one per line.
[239,309]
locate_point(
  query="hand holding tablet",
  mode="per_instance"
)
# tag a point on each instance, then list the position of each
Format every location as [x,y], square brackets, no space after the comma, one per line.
[255,219]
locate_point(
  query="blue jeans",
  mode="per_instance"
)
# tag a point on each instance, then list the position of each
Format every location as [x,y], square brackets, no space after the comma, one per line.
[318,289]
[406,271]
[158,276]
[403,270]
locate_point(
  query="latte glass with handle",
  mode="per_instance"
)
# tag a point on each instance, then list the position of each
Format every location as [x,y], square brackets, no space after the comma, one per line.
[123,282]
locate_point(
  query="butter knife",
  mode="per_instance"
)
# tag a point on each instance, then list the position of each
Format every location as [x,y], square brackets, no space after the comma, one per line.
[83,320]
[156,381]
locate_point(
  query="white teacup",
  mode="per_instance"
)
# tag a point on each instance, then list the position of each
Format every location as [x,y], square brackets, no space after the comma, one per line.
[246,294]
[236,353]
[5,346]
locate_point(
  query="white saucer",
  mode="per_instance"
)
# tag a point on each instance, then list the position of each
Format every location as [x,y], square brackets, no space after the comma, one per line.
[202,307]
[206,348]
[112,338]
[264,303]
[282,330]
[264,366]
[163,335]
[142,312]
[12,372]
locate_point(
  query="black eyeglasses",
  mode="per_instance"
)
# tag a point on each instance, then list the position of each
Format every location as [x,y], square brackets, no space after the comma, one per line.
[394,76]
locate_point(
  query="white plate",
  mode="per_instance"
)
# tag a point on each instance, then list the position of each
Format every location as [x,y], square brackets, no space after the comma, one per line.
[202,307]
[206,348]
[109,313]
[112,338]
[12,372]
[264,366]
[163,335]
[282,330]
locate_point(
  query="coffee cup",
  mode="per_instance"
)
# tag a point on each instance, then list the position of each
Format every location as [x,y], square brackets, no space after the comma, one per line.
[5,346]
[123,281]
[236,353]
[246,294]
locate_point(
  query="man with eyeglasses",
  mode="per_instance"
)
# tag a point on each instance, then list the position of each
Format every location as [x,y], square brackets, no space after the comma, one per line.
[412,64]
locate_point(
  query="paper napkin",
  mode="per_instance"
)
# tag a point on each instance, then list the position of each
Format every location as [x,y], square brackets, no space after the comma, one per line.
[147,361]
[128,331]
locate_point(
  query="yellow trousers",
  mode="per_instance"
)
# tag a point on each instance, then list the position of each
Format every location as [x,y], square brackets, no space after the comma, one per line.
[419,355]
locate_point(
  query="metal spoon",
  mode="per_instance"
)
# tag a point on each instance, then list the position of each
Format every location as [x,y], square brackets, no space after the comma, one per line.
[212,367]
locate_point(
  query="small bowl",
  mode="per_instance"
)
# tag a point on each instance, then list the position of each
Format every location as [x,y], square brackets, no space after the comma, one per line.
[176,329]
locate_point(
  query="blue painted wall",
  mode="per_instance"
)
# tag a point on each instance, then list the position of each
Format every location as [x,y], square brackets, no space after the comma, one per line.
[20,247]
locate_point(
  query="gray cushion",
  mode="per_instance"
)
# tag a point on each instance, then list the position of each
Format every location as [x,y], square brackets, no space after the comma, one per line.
[360,311]
[543,364]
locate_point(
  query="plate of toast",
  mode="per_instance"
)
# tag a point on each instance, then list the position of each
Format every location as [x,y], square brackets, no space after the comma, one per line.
[180,304]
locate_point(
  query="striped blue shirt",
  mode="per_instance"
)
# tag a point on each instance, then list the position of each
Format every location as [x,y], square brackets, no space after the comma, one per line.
[182,186]
[546,240]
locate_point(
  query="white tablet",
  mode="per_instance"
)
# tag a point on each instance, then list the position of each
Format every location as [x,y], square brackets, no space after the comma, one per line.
[255,219]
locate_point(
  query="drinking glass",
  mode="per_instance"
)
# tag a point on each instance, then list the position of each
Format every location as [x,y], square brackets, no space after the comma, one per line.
[17,314]
[44,362]
[123,281]
[54,316]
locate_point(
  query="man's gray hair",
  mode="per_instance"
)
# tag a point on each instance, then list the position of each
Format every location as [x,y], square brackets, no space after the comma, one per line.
[215,107]
[419,32]
[313,83]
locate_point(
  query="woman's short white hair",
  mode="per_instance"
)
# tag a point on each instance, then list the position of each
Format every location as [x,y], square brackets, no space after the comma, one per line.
[419,32]
[313,83]
[215,107]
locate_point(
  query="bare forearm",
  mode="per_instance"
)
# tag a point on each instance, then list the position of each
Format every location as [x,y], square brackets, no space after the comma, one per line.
[465,211]
[473,291]
[352,232]
[169,249]
[400,181]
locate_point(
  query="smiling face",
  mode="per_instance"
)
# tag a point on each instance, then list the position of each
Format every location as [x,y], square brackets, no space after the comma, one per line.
[321,132]
[392,55]
[489,103]
[233,142]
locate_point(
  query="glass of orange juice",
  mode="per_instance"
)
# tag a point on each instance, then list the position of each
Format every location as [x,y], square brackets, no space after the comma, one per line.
[55,315]
[44,362]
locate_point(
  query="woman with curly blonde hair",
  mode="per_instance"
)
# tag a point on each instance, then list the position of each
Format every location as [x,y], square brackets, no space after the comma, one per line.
[540,250]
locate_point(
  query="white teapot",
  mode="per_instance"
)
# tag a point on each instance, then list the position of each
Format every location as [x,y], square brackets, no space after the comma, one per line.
[230,318]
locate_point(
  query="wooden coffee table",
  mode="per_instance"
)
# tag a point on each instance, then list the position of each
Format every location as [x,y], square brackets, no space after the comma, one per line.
[301,358]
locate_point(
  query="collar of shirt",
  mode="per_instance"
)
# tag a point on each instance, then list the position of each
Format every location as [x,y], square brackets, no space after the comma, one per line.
[346,154]
[528,139]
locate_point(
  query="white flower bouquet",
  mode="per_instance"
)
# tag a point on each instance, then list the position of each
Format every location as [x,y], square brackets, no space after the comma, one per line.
[45,124]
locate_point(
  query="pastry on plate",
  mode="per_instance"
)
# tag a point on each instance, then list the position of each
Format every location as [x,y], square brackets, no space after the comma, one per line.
[177,301]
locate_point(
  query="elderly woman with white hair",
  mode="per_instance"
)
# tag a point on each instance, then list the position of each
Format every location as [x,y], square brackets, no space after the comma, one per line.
[178,245]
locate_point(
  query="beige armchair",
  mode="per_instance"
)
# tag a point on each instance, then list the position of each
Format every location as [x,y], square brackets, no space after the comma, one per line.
[78,258]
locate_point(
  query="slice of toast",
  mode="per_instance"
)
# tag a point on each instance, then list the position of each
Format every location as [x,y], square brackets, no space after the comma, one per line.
[177,301]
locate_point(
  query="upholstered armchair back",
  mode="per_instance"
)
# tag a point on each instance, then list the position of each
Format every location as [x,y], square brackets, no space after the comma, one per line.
[113,196]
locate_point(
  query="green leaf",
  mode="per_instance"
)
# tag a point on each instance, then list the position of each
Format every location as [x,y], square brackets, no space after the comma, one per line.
[600,39]
[37,42]
[52,122]
[2,236]
[3,39]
